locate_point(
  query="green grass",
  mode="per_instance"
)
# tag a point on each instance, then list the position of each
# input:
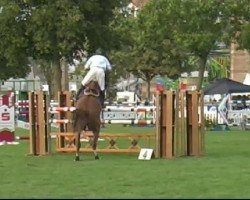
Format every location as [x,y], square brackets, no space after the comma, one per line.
[223,172]
[114,128]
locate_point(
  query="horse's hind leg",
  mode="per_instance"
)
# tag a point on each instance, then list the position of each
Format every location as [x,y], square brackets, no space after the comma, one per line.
[95,140]
[78,145]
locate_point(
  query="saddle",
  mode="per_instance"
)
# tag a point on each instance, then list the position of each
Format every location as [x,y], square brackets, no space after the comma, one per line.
[91,91]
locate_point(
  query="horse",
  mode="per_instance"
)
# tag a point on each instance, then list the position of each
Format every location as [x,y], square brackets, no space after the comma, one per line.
[87,116]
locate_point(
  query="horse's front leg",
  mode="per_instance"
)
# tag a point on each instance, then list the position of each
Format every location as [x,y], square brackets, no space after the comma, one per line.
[78,145]
[95,140]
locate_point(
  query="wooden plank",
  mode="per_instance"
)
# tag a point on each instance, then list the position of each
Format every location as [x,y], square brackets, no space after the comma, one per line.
[162,122]
[68,138]
[202,124]
[184,124]
[189,122]
[158,124]
[71,150]
[47,124]
[40,123]
[180,145]
[195,119]
[176,125]
[32,124]
[169,125]
[122,135]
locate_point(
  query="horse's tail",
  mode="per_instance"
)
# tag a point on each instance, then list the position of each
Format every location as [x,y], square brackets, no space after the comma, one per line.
[74,120]
[79,120]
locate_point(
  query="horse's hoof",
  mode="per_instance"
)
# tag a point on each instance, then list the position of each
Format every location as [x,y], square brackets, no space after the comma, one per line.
[96,157]
[77,158]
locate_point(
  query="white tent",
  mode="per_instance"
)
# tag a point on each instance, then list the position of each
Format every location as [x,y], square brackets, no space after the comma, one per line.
[247,79]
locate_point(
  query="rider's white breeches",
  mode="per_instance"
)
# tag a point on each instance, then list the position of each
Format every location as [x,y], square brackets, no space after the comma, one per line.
[95,74]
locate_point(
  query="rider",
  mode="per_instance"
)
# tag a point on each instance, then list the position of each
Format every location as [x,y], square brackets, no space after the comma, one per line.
[98,66]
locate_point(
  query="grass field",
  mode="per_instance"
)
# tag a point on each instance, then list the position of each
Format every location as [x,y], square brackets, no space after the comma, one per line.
[223,172]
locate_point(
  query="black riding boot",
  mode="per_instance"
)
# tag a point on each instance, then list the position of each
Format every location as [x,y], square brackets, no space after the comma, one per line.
[102,98]
[79,92]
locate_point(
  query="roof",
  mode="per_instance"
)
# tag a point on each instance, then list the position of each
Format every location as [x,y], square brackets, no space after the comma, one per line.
[226,86]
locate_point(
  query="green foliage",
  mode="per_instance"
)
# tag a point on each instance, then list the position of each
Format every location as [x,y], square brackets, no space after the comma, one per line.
[244,39]
[149,49]
[161,39]
[59,28]
[218,67]
[52,31]
[13,43]
[199,25]
[154,52]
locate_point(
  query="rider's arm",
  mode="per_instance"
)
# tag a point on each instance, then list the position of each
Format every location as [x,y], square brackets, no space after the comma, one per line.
[88,63]
[108,65]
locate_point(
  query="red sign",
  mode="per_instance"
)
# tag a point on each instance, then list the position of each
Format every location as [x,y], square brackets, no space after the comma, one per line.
[183,87]
[5,100]
[5,117]
[159,87]
[7,136]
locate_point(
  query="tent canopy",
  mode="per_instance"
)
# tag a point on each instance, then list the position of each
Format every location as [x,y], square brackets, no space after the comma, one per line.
[226,86]
[247,79]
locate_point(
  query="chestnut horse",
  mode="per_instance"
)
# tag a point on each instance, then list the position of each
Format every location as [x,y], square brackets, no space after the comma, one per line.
[87,116]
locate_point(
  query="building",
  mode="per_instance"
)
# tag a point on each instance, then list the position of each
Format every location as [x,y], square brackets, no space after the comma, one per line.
[240,63]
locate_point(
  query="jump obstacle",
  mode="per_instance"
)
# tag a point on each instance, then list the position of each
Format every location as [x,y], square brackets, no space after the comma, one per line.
[179,127]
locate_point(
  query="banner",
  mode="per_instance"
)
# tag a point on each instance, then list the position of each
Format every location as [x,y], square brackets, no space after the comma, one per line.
[7,123]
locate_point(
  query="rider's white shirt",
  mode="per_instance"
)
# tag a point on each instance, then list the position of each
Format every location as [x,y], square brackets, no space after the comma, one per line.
[96,64]
[98,61]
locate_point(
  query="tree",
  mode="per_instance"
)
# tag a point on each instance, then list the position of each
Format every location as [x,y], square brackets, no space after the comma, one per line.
[167,31]
[57,29]
[150,49]
[244,38]
[204,23]
[13,43]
